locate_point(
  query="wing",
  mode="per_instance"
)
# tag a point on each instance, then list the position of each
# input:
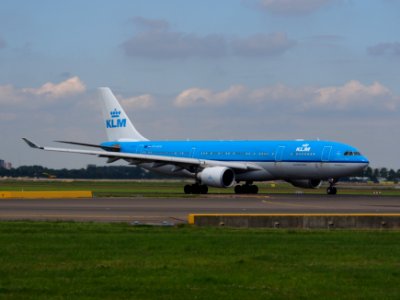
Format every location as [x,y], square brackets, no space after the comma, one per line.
[137,159]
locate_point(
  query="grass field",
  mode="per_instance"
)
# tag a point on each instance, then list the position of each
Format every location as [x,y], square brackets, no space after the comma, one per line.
[175,188]
[118,261]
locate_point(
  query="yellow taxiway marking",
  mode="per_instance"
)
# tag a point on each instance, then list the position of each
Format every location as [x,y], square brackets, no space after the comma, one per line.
[45,194]
[234,196]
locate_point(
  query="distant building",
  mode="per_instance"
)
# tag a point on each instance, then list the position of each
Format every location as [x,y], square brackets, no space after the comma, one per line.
[5,165]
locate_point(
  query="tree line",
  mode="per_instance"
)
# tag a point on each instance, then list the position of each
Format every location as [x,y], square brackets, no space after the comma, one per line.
[132,172]
[382,173]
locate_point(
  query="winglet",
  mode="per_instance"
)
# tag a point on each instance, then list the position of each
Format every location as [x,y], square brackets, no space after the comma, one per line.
[31,144]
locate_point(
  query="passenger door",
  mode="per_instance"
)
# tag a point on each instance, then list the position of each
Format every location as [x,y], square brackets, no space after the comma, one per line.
[326,152]
[279,153]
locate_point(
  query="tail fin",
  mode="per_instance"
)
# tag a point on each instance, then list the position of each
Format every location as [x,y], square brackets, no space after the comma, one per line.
[118,126]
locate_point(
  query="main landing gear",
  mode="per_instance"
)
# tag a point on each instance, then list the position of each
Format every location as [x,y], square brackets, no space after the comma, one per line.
[332,190]
[248,188]
[196,189]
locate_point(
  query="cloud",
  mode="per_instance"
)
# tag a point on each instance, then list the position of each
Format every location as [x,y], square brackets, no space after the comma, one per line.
[292,7]
[201,97]
[279,93]
[68,87]
[156,40]
[138,102]
[9,95]
[262,45]
[382,49]
[352,96]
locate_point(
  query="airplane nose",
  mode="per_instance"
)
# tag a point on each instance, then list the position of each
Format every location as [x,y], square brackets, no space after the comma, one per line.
[364,163]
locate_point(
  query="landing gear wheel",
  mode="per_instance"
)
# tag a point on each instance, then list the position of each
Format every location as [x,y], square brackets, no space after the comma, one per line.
[253,189]
[187,189]
[238,189]
[331,190]
[203,189]
[246,189]
[195,189]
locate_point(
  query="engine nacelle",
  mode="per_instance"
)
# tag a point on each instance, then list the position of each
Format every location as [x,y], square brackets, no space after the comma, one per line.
[306,183]
[220,177]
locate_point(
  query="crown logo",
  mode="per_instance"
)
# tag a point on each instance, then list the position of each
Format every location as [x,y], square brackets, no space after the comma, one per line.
[115,113]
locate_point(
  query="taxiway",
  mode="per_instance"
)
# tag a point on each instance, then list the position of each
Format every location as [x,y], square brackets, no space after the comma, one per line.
[145,210]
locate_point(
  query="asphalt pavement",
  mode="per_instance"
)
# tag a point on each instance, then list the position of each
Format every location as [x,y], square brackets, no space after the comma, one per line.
[144,210]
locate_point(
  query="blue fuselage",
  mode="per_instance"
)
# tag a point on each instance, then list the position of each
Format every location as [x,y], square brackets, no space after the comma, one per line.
[279,159]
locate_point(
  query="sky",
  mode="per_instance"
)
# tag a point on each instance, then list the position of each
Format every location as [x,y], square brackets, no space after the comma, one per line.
[226,69]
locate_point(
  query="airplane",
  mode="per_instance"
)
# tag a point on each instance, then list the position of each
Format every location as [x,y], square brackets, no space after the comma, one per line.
[48,175]
[221,164]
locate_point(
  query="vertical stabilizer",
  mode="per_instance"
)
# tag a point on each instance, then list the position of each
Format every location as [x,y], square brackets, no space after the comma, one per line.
[117,124]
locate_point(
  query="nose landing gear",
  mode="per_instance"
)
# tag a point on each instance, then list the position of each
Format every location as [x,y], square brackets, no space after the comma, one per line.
[332,190]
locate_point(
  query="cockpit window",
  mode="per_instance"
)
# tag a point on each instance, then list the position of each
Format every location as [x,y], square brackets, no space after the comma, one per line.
[351,153]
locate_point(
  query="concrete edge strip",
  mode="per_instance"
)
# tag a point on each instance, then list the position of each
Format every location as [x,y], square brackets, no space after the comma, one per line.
[191,217]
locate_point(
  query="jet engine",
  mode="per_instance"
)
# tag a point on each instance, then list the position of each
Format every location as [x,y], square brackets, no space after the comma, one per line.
[220,177]
[306,183]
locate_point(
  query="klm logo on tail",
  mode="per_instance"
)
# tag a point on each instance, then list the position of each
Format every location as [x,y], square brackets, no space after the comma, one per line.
[115,121]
